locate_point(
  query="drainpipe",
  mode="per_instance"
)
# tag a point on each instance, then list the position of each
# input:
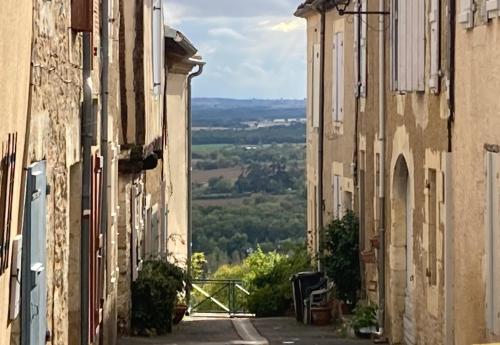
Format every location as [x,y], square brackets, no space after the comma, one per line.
[381,138]
[449,332]
[104,118]
[320,7]
[86,178]
[191,76]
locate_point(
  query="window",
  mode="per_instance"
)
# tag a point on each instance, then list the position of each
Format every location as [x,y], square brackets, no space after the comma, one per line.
[432,224]
[466,15]
[338,77]
[492,243]
[361,27]
[492,7]
[337,197]
[157,44]
[82,15]
[408,45]
[316,80]
[434,23]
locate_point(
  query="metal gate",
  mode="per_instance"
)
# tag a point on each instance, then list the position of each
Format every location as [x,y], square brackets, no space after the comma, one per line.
[219,296]
[34,289]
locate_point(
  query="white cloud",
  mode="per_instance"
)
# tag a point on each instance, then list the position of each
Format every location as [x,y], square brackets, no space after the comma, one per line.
[289,26]
[226,33]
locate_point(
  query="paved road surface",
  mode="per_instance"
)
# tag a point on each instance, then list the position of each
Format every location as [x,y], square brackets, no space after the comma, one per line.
[225,331]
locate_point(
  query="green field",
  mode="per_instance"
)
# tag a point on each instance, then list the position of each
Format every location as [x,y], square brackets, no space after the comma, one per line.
[208,148]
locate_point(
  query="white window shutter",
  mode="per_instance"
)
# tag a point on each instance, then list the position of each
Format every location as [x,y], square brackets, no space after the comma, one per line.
[434,19]
[492,7]
[340,51]
[357,77]
[363,49]
[394,45]
[335,79]
[316,84]
[402,42]
[492,244]
[466,14]
[341,199]
[157,51]
[419,83]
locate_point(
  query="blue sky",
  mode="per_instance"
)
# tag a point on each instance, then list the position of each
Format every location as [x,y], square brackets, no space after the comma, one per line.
[253,48]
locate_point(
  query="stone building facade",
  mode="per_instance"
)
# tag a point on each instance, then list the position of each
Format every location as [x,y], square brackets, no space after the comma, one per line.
[409,146]
[82,182]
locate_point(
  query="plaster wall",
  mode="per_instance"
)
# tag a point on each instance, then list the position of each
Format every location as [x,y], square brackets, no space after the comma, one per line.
[15,57]
[339,137]
[175,166]
[476,125]
[313,37]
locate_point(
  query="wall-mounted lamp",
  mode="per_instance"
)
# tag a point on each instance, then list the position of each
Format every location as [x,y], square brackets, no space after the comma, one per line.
[342,5]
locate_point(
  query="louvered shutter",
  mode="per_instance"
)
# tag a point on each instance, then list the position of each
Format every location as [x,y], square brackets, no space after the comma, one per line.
[338,77]
[419,27]
[492,7]
[492,244]
[157,45]
[363,49]
[466,15]
[434,19]
[357,76]
[316,84]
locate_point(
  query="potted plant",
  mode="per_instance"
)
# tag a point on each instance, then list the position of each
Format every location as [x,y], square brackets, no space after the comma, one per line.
[180,308]
[342,258]
[364,321]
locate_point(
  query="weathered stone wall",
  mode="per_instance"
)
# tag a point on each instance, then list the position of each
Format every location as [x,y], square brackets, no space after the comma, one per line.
[416,132]
[15,56]
[55,137]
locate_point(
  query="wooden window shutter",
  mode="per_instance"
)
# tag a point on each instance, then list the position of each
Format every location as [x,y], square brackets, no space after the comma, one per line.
[335,79]
[434,23]
[394,44]
[357,76]
[419,28]
[363,49]
[466,14]
[492,7]
[340,76]
[82,15]
[157,45]
[316,84]
[492,244]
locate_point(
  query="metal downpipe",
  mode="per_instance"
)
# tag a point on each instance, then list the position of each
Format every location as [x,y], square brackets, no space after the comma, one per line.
[382,109]
[191,76]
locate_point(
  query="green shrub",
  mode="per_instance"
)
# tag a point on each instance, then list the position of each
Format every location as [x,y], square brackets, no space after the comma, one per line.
[153,296]
[364,316]
[342,258]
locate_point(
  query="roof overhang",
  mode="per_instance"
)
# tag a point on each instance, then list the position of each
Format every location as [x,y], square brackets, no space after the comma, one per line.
[309,7]
[181,54]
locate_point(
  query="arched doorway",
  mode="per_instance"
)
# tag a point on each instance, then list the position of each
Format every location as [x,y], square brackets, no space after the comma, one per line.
[402,278]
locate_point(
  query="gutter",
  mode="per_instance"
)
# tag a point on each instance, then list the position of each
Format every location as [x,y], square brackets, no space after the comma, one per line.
[381,138]
[191,76]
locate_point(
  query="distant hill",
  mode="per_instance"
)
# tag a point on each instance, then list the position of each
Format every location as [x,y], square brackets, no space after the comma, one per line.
[223,112]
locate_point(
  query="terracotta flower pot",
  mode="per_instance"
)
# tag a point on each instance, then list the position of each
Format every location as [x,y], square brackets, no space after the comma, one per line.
[179,312]
[321,316]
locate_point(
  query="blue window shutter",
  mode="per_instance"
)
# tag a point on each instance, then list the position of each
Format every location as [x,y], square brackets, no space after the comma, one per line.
[34,288]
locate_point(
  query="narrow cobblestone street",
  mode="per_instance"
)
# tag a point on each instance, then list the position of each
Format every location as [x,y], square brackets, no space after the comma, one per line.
[225,331]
